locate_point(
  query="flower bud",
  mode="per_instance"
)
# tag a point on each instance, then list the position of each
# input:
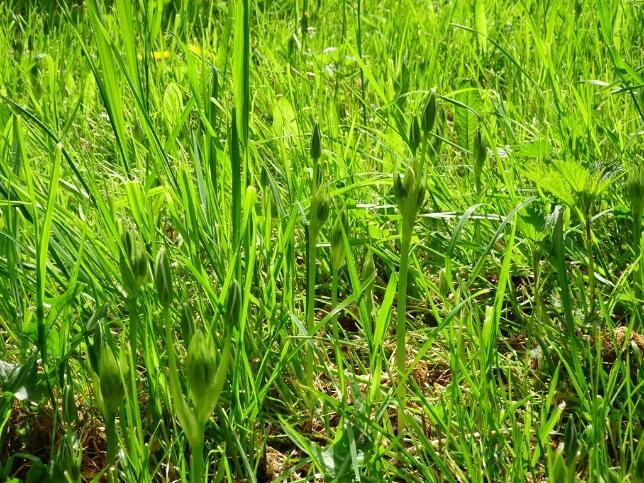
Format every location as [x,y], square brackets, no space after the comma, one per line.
[110,376]
[163,278]
[399,187]
[429,112]
[132,263]
[337,241]
[233,304]
[409,181]
[480,150]
[319,208]
[316,150]
[414,135]
[201,367]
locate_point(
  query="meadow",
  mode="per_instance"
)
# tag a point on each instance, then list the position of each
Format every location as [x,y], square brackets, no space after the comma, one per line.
[331,240]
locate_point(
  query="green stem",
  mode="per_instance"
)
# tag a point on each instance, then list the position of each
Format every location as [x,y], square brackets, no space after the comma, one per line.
[336,331]
[591,262]
[310,302]
[401,329]
[197,459]
[110,432]
[135,425]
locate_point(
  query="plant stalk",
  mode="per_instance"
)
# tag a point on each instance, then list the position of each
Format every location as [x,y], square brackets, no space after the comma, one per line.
[401,329]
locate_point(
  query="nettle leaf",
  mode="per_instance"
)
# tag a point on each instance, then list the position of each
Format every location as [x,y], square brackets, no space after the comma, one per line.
[532,221]
[571,182]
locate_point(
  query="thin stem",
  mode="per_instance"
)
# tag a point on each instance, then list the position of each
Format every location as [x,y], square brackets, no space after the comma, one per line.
[336,330]
[401,329]
[591,262]
[310,302]
[110,432]
[136,436]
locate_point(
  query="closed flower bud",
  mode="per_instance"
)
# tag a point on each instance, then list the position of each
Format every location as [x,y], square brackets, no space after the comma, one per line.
[110,376]
[133,264]
[420,197]
[201,367]
[233,304]
[429,112]
[410,180]
[337,241]
[414,135]
[319,208]
[480,150]
[399,187]
[69,404]
[163,278]
[316,150]
[443,282]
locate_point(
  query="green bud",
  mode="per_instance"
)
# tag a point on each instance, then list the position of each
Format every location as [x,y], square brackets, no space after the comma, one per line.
[443,282]
[420,197]
[233,304]
[409,181]
[337,241]
[133,263]
[316,150]
[187,323]
[399,187]
[414,135]
[110,376]
[480,153]
[429,112]
[69,404]
[201,367]
[319,208]
[163,278]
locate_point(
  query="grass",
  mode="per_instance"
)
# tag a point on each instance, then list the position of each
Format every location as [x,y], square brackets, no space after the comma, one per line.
[212,267]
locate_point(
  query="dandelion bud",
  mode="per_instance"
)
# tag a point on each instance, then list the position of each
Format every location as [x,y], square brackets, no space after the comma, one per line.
[429,112]
[443,282]
[69,404]
[163,278]
[201,367]
[414,135]
[316,150]
[110,377]
[420,197]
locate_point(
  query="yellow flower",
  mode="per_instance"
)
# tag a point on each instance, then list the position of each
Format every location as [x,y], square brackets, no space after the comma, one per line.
[161,55]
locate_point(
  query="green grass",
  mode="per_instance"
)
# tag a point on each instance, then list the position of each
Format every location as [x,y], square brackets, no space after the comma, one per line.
[173,305]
